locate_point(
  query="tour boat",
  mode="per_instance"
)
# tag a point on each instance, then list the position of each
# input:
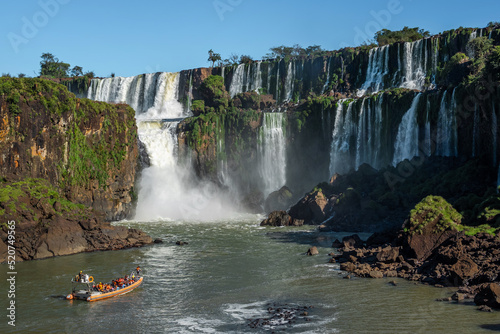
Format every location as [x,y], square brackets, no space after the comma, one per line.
[83,289]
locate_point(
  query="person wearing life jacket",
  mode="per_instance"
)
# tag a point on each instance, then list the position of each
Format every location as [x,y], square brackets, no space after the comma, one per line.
[138,271]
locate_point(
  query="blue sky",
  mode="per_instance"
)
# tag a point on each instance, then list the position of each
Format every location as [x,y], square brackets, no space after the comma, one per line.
[132,37]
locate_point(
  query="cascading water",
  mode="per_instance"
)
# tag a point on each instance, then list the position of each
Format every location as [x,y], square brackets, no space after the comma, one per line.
[168,188]
[446,141]
[289,80]
[406,145]
[238,81]
[272,152]
[340,158]
[414,65]
[378,67]
[248,81]
[327,81]
[494,134]
[410,72]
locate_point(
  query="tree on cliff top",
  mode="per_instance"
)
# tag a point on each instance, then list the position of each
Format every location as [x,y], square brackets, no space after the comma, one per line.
[385,36]
[51,66]
[213,57]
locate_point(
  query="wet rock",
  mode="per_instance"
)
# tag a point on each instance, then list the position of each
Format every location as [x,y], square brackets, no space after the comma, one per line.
[158,241]
[312,251]
[278,200]
[488,295]
[376,274]
[485,308]
[337,244]
[353,241]
[181,243]
[280,218]
[388,254]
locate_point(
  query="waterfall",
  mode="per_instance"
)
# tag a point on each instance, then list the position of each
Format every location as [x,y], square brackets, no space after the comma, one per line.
[378,67]
[414,64]
[238,80]
[406,144]
[427,144]
[410,73]
[190,93]
[327,81]
[494,129]
[272,152]
[289,81]
[446,141]
[248,81]
[340,157]
[475,131]
[168,188]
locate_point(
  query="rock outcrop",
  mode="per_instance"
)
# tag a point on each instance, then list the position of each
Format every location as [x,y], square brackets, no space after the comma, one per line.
[86,152]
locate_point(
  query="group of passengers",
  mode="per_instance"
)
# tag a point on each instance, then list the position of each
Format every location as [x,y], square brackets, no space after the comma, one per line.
[119,283]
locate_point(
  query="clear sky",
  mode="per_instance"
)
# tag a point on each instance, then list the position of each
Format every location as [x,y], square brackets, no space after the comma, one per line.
[133,37]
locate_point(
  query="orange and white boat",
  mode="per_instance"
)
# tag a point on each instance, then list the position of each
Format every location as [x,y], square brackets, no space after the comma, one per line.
[85,289]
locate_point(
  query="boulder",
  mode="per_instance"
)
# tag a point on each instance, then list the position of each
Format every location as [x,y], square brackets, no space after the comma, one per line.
[280,218]
[388,254]
[352,241]
[278,200]
[463,270]
[312,251]
[488,295]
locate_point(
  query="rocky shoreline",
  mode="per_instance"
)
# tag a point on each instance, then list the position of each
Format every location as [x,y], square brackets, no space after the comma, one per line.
[446,259]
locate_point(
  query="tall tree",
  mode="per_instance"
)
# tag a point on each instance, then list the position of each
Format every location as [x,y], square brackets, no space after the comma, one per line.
[51,66]
[213,57]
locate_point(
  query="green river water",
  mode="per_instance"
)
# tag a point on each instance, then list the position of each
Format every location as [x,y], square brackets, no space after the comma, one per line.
[228,274]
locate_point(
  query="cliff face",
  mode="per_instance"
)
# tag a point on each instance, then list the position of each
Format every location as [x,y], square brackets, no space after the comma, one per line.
[88,149]
[67,165]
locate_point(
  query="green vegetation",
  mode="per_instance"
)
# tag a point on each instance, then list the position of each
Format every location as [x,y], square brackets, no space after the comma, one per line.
[92,155]
[18,196]
[433,209]
[436,209]
[385,36]
[214,94]
[51,67]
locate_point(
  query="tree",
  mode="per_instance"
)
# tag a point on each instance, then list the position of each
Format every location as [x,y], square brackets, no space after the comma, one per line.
[21,75]
[89,74]
[234,59]
[77,71]
[245,59]
[52,67]
[385,36]
[213,57]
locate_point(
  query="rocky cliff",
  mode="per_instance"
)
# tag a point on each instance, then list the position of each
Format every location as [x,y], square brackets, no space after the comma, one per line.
[86,150]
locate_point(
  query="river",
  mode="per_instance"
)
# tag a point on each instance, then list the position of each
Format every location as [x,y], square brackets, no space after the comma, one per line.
[227,276]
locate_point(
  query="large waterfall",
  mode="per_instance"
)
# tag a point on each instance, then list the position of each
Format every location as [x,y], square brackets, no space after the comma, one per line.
[407,145]
[168,188]
[414,61]
[272,151]
[447,141]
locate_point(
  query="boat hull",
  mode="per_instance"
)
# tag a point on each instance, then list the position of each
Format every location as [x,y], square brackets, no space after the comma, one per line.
[100,296]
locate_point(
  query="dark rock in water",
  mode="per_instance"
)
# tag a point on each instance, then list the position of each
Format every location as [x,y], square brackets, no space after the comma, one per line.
[352,241]
[181,243]
[144,160]
[488,295]
[337,244]
[314,208]
[281,218]
[281,315]
[278,200]
[484,308]
[253,201]
[312,251]
[158,241]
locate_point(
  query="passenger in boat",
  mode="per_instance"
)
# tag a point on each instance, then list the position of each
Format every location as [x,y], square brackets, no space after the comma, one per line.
[138,270]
